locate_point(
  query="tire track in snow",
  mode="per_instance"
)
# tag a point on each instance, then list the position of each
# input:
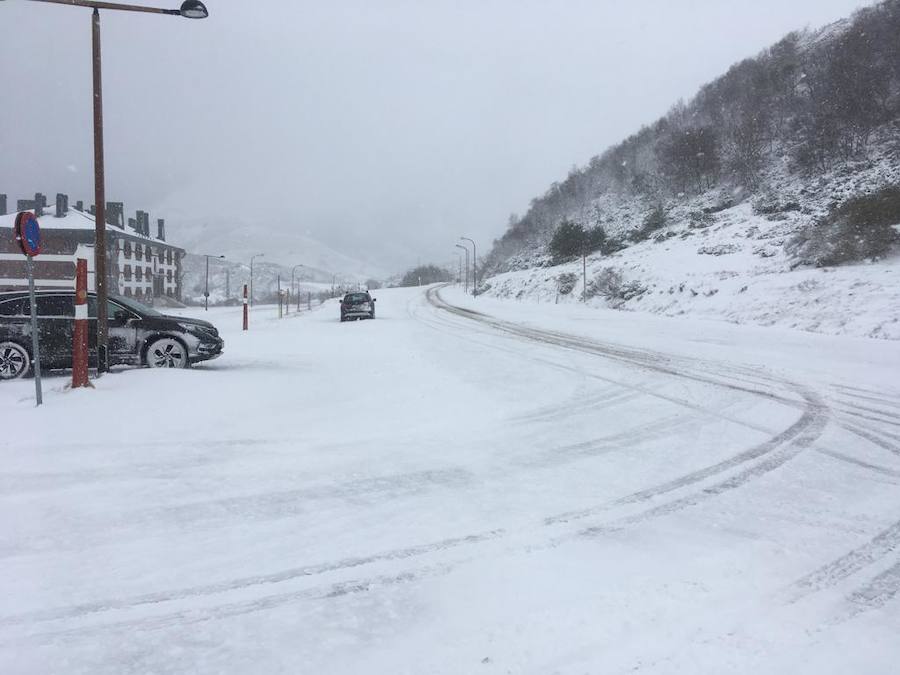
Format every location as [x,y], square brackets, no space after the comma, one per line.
[873,438]
[849,564]
[799,435]
[263,506]
[623,440]
[101,606]
[894,422]
[645,359]
[858,462]
[878,592]
[811,432]
[578,403]
[187,617]
[788,443]
[871,395]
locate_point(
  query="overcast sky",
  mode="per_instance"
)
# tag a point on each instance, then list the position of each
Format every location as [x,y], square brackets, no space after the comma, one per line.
[386,129]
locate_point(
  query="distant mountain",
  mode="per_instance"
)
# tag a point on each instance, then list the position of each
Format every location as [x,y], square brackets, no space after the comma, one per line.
[313,263]
[237,239]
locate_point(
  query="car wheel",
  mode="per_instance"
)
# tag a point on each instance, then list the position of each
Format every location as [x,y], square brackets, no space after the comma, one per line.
[14,361]
[167,353]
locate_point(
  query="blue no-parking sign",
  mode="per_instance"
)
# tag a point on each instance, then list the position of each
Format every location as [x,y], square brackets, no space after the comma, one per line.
[28,233]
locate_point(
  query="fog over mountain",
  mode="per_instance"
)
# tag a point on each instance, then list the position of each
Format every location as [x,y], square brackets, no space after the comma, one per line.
[383,129]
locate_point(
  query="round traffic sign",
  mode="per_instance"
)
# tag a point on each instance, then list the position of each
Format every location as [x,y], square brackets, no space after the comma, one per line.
[28,233]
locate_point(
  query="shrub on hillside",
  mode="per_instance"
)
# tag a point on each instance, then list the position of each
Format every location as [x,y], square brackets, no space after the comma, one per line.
[701,219]
[571,240]
[770,203]
[859,229]
[653,221]
[611,284]
[565,283]
[567,241]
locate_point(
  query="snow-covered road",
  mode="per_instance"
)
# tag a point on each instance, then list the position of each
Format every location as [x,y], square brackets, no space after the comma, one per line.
[461,486]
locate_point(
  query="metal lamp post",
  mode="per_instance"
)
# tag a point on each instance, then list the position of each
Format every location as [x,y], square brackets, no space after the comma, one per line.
[190,9]
[293,269]
[474,266]
[206,288]
[466,288]
[252,258]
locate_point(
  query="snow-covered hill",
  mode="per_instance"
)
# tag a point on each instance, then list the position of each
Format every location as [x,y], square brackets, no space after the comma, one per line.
[731,263]
[774,148]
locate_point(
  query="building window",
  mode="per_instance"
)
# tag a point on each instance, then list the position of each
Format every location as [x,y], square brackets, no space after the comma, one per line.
[138,252]
[138,273]
[127,273]
[169,276]
[127,249]
[128,291]
[169,256]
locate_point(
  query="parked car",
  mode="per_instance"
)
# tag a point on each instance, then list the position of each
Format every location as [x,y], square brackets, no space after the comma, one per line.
[357,306]
[138,335]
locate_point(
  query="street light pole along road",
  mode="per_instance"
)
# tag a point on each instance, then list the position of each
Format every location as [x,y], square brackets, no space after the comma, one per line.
[252,257]
[293,269]
[206,288]
[474,266]
[466,287]
[190,9]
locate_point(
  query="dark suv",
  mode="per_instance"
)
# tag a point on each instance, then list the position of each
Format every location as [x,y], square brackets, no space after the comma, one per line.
[357,306]
[138,335]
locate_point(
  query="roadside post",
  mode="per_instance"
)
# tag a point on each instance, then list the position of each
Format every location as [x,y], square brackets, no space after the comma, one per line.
[28,234]
[280,299]
[80,334]
[309,300]
[584,275]
[246,312]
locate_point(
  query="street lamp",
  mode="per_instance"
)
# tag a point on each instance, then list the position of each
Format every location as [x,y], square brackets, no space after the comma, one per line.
[292,285]
[190,9]
[206,291]
[466,290]
[474,266]
[252,257]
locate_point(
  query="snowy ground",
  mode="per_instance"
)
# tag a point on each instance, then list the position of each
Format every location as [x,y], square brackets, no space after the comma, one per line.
[461,486]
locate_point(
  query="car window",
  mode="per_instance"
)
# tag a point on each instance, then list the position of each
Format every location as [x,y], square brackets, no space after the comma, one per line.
[356,297]
[49,306]
[137,307]
[111,308]
[11,307]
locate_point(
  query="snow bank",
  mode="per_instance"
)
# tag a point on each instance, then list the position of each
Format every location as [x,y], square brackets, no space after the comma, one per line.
[734,269]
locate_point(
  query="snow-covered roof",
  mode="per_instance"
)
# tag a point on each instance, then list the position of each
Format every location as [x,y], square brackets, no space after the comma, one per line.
[74,220]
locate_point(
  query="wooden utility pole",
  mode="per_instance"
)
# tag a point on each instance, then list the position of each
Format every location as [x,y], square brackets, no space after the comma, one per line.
[584,275]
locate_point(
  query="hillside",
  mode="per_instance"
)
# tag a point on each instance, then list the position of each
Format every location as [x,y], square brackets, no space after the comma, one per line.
[758,162]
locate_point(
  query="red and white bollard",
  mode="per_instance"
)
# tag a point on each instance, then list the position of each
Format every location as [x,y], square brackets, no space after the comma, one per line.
[80,334]
[246,310]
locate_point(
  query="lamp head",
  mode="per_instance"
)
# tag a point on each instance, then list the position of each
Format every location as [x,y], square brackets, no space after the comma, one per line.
[193,9]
